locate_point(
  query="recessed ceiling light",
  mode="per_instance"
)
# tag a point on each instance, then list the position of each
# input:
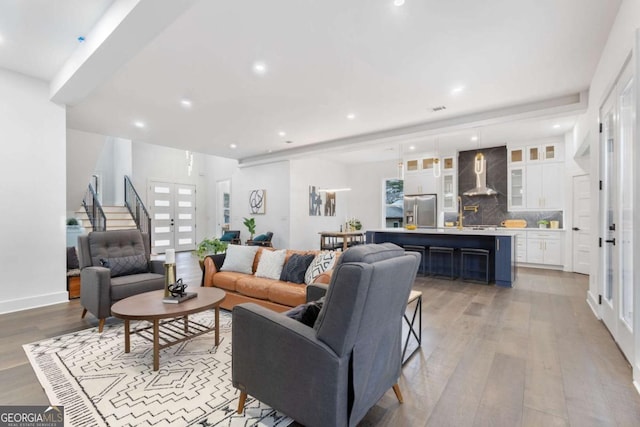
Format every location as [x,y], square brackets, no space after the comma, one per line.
[139,124]
[233,146]
[351,116]
[398,2]
[259,68]
[412,147]
[457,90]
[556,126]
[186,103]
[281,133]
[474,138]
[1,39]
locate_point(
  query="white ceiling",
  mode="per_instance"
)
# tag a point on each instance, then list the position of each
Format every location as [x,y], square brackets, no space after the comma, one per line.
[325,59]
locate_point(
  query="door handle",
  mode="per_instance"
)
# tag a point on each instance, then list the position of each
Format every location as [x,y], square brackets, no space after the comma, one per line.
[575,229]
[611,241]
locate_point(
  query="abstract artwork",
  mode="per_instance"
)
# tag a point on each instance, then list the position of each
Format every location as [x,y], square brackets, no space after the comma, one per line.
[321,202]
[258,202]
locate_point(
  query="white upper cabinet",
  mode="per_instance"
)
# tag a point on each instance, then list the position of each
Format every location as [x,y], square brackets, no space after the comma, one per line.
[515,188]
[549,152]
[544,186]
[516,155]
[449,183]
[420,183]
[536,176]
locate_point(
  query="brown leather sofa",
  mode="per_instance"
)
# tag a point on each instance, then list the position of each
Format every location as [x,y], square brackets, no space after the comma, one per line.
[240,287]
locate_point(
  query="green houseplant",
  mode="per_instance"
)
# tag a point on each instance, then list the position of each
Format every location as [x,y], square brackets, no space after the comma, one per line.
[209,247]
[355,224]
[250,223]
[543,223]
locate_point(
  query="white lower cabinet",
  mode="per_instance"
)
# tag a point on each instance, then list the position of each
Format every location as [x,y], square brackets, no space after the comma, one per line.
[545,248]
[521,246]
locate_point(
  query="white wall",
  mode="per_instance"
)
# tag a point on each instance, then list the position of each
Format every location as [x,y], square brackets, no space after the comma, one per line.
[323,174]
[33,192]
[83,151]
[216,169]
[367,196]
[274,178]
[112,165]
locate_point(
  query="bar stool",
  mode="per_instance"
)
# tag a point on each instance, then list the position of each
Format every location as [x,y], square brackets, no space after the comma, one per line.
[422,250]
[442,250]
[466,269]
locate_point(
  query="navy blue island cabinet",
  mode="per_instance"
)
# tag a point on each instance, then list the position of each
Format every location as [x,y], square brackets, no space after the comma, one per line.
[499,243]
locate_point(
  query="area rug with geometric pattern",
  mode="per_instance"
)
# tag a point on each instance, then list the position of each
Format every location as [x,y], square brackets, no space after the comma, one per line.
[99,384]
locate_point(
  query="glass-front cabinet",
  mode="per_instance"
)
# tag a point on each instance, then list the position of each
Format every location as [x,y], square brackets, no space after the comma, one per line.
[516,155]
[516,188]
[545,152]
[449,183]
[448,192]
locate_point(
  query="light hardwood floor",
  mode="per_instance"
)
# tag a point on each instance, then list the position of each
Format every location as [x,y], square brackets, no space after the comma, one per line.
[533,355]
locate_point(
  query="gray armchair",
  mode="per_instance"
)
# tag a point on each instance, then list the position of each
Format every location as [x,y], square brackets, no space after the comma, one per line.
[333,373]
[115,265]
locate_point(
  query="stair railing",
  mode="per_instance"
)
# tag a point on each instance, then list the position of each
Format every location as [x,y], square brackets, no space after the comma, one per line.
[133,202]
[94,210]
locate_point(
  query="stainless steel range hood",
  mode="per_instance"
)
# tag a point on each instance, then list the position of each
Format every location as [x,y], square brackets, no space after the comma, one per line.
[481,189]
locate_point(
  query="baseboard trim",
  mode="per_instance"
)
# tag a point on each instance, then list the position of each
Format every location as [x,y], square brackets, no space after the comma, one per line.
[33,302]
[593,304]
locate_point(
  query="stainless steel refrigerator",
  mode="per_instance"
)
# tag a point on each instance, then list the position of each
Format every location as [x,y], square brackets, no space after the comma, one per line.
[421,210]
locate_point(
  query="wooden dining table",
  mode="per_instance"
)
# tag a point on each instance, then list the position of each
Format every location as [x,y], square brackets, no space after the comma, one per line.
[328,239]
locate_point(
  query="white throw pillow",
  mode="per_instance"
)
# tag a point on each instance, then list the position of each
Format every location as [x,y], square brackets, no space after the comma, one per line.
[239,258]
[271,263]
[322,262]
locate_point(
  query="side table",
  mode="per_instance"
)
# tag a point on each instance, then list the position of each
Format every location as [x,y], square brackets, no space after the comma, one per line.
[414,297]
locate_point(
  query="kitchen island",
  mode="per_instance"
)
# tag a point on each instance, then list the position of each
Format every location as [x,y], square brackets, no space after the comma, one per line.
[498,241]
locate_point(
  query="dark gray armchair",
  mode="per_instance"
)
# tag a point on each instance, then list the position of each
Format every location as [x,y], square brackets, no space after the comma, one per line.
[333,373]
[115,265]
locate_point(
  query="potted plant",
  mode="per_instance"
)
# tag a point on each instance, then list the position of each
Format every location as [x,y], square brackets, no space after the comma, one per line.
[543,223]
[74,229]
[355,224]
[209,247]
[250,223]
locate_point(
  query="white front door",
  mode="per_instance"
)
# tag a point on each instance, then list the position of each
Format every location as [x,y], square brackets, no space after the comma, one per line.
[617,116]
[173,216]
[581,219]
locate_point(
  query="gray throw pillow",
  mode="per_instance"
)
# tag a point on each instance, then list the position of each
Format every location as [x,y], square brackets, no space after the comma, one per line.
[126,265]
[296,267]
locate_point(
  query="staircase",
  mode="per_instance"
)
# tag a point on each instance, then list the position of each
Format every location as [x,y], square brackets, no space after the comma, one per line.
[118,218]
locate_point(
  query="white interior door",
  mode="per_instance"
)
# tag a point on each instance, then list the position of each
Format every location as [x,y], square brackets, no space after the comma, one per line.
[581,224]
[609,204]
[173,219]
[618,115]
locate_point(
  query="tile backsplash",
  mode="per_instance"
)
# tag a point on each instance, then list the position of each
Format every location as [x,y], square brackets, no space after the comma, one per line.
[492,210]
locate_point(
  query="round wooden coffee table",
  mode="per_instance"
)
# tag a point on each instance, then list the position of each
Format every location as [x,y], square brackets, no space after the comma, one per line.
[174,318]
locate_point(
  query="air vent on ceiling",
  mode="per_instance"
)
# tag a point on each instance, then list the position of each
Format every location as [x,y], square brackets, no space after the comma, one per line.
[439,108]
